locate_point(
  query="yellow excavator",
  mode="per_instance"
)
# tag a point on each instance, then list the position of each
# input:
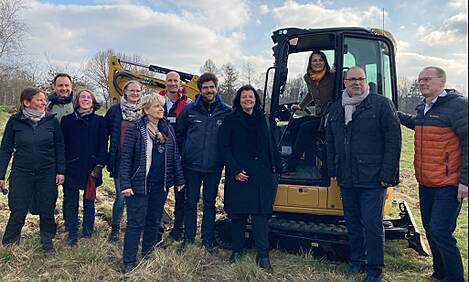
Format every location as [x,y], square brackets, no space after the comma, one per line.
[307,208]
[121,71]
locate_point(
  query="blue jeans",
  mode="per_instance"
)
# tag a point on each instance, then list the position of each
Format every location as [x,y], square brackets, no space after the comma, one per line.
[118,205]
[143,215]
[71,198]
[363,212]
[194,180]
[440,209]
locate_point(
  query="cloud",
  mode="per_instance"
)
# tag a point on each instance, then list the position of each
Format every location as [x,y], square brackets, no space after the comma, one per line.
[70,34]
[292,13]
[452,31]
[410,64]
[264,9]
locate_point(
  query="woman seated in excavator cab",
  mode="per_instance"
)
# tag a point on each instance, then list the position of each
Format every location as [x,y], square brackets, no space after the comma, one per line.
[319,79]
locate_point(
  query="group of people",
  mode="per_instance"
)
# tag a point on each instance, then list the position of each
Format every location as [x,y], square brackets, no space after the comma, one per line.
[165,140]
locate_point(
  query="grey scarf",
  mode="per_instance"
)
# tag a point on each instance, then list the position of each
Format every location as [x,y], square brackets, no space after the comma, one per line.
[350,104]
[34,116]
[131,112]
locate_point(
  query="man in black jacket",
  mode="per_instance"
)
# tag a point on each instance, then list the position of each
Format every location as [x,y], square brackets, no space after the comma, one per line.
[364,144]
[197,137]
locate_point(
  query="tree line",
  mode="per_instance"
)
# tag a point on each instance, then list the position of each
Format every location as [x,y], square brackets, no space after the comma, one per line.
[16,74]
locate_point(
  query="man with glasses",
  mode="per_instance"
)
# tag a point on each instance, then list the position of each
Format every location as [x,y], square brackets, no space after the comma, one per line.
[440,162]
[197,136]
[364,145]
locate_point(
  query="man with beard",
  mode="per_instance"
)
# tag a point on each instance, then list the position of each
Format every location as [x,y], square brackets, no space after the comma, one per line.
[60,102]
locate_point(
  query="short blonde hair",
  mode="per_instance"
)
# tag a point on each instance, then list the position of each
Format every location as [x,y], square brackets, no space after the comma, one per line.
[149,99]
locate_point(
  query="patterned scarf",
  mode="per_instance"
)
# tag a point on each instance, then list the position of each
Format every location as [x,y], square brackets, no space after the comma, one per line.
[34,116]
[131,112]
[350,104]
[152,129]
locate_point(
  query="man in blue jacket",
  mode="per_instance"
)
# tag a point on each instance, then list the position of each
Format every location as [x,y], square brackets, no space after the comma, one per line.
[363,149]
[197,136]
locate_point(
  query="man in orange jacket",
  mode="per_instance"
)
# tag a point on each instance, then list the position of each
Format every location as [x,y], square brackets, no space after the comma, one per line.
[440,163]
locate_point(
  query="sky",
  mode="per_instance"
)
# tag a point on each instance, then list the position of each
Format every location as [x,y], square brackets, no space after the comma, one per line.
[183,34]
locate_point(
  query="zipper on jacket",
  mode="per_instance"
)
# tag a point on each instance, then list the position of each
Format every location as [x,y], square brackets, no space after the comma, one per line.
[446,163]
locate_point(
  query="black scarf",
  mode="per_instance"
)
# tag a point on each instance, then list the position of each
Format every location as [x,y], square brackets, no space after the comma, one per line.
[56,99]
[253,122]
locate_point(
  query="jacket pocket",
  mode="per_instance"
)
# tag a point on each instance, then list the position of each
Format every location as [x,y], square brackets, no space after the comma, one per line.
[369,167]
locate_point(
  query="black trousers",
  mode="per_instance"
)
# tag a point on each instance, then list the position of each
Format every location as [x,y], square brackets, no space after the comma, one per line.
[304,138]
[26,190]
[194,180]
[260,231]
[180,199]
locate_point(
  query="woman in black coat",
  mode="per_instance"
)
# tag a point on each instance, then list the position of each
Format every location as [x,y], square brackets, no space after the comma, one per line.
[250,165]
[85,138]
[36,140]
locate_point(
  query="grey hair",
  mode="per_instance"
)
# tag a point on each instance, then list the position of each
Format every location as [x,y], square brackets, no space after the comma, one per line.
[439,71]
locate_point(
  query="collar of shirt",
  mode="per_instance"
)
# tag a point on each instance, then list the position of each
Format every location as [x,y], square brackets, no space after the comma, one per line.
[429,106]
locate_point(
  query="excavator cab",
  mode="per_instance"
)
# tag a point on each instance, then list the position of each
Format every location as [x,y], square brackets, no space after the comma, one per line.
[307,207]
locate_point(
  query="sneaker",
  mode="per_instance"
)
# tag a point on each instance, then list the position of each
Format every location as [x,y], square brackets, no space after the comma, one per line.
[49,252]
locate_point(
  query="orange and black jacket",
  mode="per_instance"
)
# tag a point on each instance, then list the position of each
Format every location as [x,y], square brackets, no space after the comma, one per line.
[440,141]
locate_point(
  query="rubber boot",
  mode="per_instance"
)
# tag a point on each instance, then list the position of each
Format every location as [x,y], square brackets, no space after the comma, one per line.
[114,236]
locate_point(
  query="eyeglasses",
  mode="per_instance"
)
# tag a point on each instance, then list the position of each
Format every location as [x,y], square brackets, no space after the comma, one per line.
[354,79]
[86,97]
[426,79]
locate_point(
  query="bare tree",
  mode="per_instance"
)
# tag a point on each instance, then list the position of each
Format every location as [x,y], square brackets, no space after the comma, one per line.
[249,73]
[209,66]
[230,82]
[409,96]
[12,28]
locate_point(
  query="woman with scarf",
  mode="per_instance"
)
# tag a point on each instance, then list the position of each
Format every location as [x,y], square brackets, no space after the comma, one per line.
[118,118]
[251,162]
[320,81]
[38,167]
[85,141]
[150,165]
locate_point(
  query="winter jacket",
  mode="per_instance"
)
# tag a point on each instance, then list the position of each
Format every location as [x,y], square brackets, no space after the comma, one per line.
[367,150]
[197,135]
[60,109]
[113,119]
[37,147]
[177,106]
[440,141]
[320,93]
[85,147]
[256,195]
[136,157]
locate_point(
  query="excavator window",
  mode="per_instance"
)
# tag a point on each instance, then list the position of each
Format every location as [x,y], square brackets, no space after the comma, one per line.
[310,167]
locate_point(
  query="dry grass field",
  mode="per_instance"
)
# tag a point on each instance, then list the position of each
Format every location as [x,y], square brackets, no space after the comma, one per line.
[97,260]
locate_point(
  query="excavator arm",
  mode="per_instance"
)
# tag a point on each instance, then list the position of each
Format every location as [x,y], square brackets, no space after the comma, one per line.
[118,75]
